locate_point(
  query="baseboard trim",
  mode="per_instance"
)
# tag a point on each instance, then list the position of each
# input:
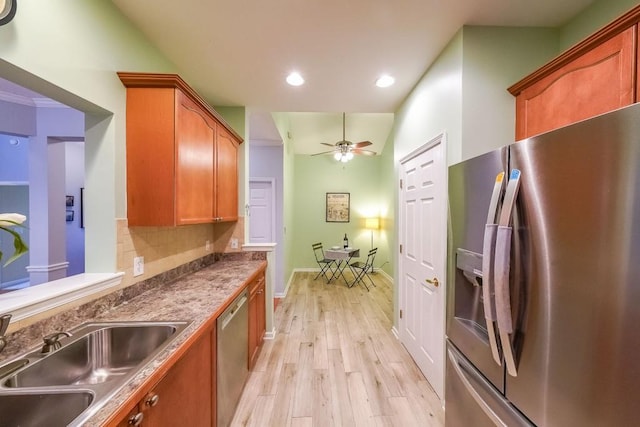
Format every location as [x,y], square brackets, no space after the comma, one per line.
[385,275]
[270,335]
[295,270]
[395,333]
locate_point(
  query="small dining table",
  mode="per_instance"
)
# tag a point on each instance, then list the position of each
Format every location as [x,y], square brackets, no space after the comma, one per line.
[342,257]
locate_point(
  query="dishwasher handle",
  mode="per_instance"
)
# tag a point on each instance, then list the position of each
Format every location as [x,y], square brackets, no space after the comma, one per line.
[229,315]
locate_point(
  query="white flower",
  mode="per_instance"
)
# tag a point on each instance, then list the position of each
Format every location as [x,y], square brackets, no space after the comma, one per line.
[7,222]
[9,219]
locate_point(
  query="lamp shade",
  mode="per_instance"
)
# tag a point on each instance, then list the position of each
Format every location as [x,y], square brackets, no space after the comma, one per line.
[372,223]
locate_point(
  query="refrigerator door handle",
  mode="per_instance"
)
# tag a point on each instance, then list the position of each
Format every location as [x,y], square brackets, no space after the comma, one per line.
[503,299]
[463,376]
[502,270]
[488,250]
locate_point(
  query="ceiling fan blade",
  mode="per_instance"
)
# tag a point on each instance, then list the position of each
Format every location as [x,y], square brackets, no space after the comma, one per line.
[324,152]
[365,152]
[328,145]
[361,144]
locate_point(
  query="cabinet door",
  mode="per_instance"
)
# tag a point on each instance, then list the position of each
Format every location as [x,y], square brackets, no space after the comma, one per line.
[184,395]
[257,320]
[150,156]
[261,312]
[599,81]
[226,176]
[195,135]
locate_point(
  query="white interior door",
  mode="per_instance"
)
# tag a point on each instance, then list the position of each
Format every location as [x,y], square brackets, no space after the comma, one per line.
[261,211]
[423,259]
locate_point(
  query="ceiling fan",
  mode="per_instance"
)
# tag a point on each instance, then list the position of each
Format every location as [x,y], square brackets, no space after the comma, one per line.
[344,150]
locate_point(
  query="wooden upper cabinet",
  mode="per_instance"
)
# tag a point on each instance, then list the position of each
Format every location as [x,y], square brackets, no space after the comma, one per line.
[599,80]
[226,200]
[178,148]
[195,139]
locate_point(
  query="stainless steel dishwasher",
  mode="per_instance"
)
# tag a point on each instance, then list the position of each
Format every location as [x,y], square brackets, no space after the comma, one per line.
[233,357]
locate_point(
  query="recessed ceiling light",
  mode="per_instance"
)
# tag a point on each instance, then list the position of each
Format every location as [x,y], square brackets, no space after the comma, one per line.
[295,79]
[385,81]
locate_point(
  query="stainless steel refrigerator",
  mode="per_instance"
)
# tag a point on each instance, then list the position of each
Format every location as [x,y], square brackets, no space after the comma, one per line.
[543,324]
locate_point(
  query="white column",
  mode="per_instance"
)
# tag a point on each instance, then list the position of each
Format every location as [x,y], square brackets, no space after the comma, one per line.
[47,253]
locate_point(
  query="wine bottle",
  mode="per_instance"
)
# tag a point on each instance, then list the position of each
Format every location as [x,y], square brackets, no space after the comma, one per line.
[345,241]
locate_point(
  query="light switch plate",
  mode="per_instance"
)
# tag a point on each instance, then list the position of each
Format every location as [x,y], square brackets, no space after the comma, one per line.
[234,243]
[207,246]
[138,266]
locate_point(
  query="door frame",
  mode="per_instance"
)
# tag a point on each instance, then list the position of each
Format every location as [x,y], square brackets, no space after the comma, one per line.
[272,182]
[441,138]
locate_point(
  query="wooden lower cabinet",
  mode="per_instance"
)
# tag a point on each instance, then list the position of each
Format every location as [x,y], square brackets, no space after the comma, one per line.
[133,418]
[186,395]
[257,319]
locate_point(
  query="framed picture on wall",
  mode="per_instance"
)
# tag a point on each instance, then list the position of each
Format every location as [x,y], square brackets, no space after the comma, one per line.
[69,200]
[338,207]
[69,215]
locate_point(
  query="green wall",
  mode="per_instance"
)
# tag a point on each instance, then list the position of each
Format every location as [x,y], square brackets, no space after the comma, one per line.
[314,177]
[388,203]
[70,50]
[594,17]
[433,106]
[494,58]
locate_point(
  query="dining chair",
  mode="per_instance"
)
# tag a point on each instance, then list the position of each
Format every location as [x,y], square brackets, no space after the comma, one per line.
[324,263]
[362,269]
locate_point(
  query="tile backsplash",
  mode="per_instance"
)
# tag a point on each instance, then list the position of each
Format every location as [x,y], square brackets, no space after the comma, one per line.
[165,248]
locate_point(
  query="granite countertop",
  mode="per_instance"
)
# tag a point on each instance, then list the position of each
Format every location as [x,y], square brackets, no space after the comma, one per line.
[194,297]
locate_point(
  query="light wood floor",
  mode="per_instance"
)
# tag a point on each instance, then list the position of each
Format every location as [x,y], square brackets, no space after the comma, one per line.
[335,362]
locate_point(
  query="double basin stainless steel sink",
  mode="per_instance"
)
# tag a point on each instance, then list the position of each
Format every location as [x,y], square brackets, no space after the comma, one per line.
[69,385]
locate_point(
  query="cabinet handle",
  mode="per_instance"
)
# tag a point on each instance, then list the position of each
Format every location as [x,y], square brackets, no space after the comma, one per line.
[136,420]
[152,400]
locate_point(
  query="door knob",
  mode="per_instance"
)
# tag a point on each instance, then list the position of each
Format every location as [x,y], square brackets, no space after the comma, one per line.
[433,282]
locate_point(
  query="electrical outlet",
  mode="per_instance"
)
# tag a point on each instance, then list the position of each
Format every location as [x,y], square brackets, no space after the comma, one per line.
[138,266]
[207,246]
[234,243]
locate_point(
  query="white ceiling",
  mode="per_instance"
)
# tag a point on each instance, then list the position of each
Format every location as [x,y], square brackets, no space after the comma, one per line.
[238,53]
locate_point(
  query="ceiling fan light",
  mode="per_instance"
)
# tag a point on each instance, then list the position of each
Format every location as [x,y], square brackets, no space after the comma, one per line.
[337,155]
[349,155]
[385,80]
[344,159]
[295,79]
